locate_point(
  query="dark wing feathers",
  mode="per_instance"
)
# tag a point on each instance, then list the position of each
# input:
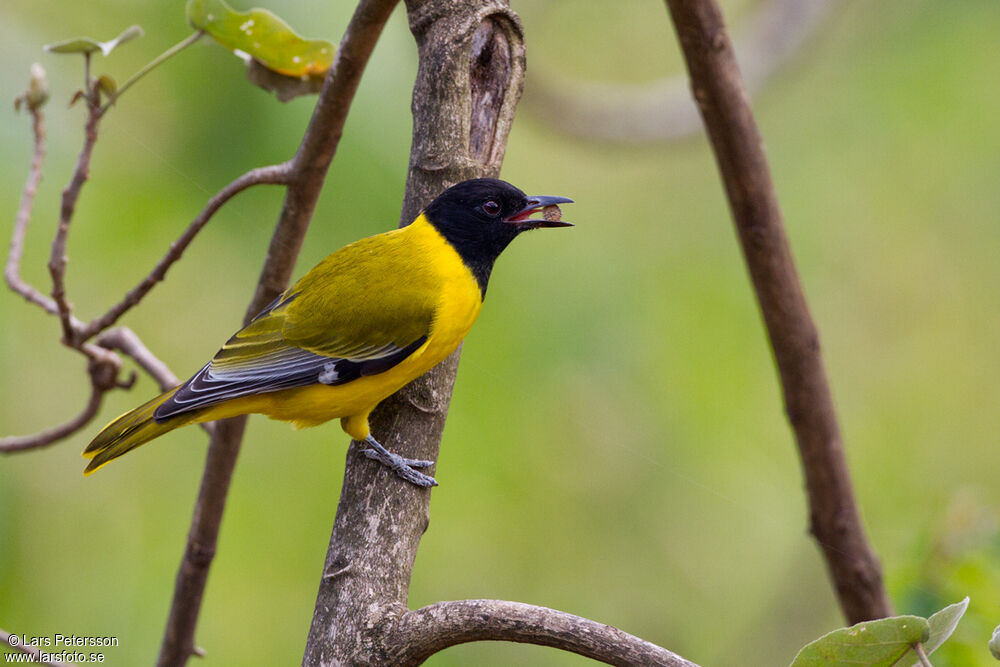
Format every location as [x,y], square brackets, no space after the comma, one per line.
[291,367]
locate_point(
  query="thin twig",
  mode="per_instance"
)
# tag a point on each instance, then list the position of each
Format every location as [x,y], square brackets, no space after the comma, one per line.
[30,650]
[58,258]
[23,443]
[273,175]
[922,655]
[150,66]
[12,271]
[126,341]
[423,632]
[310,166]
[739,152]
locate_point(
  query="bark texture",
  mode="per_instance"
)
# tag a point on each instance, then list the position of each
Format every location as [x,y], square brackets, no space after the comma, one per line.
[469,79]
[739,151]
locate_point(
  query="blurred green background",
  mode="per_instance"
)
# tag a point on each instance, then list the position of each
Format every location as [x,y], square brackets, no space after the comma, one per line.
[616,445]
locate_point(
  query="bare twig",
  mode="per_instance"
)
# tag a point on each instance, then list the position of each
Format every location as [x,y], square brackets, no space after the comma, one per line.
[739,152]
[661,110]
[23,443]
[12,271]
[310,165]
[423,632]
[58,259]
[273,175]
[30,650]
[126,341]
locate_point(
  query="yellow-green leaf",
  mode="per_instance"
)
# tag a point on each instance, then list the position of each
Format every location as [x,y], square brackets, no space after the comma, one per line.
[263,36]
[869,644]
[88,45]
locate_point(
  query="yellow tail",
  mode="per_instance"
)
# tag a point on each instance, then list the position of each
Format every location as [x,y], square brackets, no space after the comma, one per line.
[129,431]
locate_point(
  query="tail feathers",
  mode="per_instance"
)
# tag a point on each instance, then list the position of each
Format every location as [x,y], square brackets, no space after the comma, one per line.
[129,431]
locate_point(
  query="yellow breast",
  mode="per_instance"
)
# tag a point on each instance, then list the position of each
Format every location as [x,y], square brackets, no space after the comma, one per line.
[458,303]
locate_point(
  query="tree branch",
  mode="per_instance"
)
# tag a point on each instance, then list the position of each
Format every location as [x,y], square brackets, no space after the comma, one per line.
[70,194]
[309,168]
[379,521]
[12,271]
[22,443]
[739,152]
[272,175]
[423,632]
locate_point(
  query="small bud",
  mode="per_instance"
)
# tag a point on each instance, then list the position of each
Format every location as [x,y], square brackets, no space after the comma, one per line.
[38,88]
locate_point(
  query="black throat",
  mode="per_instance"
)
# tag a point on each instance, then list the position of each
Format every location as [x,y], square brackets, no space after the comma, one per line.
[478,243]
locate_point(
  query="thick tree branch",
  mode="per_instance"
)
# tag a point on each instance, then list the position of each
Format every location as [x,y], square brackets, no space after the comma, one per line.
[739,152]
[423,632]
[309,168]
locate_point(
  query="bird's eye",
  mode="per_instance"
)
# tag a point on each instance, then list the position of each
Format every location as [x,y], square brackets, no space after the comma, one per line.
[491,207]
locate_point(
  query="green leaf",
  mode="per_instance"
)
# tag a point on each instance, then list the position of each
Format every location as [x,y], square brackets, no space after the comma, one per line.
[263,36]
[942,624]
[88,45]
[870,644]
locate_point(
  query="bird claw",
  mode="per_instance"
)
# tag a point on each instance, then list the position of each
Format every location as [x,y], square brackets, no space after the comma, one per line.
[403,467]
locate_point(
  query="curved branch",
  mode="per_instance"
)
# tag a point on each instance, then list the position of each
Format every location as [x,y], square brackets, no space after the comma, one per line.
[12,270]
[423,632]
[23,443]
[661,110]
[739,152]
[309,169]
[271,175]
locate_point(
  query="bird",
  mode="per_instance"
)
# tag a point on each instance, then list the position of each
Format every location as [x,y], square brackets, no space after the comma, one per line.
[363,323]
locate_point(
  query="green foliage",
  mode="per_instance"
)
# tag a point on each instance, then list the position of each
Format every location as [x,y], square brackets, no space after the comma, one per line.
[263,36]
[882,643]
[878,643]
[942,624]
[86,45]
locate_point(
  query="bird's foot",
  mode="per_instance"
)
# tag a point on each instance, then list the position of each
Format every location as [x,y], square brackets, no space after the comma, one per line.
[404,468]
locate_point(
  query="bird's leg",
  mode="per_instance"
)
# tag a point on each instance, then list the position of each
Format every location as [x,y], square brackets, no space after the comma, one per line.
[402,467]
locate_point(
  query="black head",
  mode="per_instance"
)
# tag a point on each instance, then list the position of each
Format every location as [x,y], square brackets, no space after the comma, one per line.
[480,217]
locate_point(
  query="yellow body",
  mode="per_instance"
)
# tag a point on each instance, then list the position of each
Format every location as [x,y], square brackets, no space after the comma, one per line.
[389,289]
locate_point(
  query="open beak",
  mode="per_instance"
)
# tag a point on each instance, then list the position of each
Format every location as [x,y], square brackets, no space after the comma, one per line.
[522,219]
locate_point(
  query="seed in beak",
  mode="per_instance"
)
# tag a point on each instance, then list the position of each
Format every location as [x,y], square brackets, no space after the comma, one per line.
[552,213]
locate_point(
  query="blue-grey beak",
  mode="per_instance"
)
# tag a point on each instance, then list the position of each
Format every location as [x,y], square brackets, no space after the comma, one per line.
[534,205]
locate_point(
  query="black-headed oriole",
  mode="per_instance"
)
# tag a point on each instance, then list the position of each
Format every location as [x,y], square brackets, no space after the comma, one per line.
[364,322]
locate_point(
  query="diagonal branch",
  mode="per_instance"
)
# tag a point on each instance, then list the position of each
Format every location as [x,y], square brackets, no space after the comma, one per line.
[309,168]
[739,151]
[425,631]
[5,637]
[273,175]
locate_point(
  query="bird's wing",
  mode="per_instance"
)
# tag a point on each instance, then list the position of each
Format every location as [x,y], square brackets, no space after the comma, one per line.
[345,319]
